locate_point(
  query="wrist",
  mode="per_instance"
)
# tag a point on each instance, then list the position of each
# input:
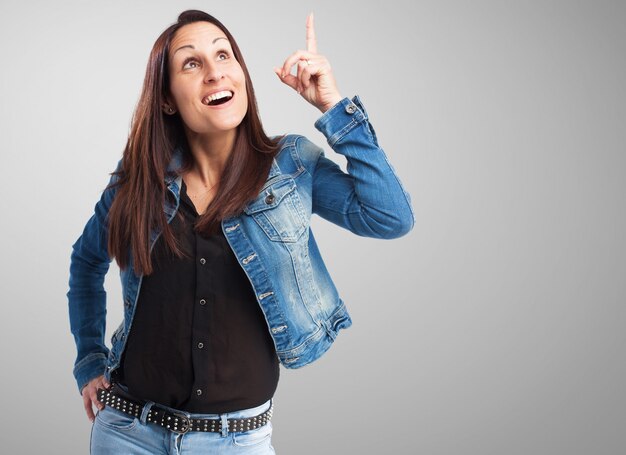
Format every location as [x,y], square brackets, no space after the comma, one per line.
[329,105]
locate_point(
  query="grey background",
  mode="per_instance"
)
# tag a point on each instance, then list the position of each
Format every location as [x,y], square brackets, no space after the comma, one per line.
[495,327]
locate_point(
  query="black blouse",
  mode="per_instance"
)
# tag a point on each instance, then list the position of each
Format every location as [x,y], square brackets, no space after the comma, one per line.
[199,341]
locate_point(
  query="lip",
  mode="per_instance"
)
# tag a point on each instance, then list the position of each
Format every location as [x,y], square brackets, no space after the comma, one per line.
[222,89]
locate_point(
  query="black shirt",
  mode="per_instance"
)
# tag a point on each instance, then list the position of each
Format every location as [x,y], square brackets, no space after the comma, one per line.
[199,341]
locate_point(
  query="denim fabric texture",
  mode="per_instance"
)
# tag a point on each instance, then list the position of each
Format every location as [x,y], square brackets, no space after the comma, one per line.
[271,238]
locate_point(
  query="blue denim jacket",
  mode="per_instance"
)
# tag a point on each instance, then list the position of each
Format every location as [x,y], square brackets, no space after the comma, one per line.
[271,239]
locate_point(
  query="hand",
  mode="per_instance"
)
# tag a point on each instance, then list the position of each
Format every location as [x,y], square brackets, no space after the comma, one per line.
[89,393]
[315,80]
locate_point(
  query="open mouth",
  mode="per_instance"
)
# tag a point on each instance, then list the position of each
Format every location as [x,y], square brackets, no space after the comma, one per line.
[218,99]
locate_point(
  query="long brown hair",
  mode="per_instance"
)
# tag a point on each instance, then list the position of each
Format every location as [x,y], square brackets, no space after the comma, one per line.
[137,208]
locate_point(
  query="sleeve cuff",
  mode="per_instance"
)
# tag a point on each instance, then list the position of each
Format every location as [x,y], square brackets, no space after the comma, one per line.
[90,367]
[337,121]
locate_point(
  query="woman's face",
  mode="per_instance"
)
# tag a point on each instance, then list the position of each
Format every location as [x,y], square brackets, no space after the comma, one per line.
[201,63]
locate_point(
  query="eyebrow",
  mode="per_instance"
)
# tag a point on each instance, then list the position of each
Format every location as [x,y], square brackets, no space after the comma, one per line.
[191,45]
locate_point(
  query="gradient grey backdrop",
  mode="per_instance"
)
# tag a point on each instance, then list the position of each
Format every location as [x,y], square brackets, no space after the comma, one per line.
[495,327]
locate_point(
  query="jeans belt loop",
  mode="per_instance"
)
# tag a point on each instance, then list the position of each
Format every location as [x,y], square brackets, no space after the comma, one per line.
[146,410]
[224,418]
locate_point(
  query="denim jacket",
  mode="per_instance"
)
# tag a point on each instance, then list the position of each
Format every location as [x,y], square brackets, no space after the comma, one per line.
[271,239]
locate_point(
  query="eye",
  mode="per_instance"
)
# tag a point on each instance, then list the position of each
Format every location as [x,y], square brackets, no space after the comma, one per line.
[189,59]
[193,59]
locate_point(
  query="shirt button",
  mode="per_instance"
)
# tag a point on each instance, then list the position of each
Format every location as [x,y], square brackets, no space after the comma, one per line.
[350,108]
[200,345]
[199,392]
[269,199]
[202,261]
[202,301]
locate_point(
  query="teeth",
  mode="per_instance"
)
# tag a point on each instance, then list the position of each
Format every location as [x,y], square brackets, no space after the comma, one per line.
[216,96]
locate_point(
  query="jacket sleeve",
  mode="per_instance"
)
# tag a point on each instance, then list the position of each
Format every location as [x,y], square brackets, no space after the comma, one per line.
[369,200]
[89,263]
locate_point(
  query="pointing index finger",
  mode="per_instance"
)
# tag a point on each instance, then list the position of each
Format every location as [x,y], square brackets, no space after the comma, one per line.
[311,42]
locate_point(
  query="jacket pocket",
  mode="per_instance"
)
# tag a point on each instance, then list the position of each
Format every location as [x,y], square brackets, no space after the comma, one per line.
[278,210]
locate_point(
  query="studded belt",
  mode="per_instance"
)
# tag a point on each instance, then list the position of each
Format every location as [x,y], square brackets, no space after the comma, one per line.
[178,422]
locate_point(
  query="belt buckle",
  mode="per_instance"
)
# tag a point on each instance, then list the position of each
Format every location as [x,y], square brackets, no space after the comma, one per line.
[184,422]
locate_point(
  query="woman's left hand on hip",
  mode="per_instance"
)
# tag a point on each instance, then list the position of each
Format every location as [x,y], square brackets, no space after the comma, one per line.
[314,80]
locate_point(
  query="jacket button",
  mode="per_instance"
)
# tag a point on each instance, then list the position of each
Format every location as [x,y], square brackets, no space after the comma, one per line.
[350,108]
[202,261]
[199,392]
[200,345]
[269,198]
[202,301]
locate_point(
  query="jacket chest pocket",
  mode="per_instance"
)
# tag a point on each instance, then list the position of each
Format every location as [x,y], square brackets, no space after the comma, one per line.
[279,212]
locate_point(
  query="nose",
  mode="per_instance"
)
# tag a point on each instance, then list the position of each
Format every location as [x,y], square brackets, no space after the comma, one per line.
[214,73]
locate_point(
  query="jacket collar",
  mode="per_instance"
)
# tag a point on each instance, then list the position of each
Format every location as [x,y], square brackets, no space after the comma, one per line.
[176,162]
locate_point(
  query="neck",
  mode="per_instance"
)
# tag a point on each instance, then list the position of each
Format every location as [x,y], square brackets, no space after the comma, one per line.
[210,154]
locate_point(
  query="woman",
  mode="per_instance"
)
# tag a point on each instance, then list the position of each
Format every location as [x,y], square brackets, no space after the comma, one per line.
[208,220]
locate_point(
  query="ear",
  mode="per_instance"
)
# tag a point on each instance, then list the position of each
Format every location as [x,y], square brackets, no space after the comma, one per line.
[168,108]
[167,105]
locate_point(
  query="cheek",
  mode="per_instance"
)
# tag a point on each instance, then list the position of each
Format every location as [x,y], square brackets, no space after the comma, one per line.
[244,89]
[240,76]
[181,90]
[243,100]
[187,95]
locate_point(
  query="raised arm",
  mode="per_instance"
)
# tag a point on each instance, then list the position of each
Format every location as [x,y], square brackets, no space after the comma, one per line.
[369,200]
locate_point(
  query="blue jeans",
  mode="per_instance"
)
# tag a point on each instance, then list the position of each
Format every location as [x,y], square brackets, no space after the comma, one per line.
[116,432]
